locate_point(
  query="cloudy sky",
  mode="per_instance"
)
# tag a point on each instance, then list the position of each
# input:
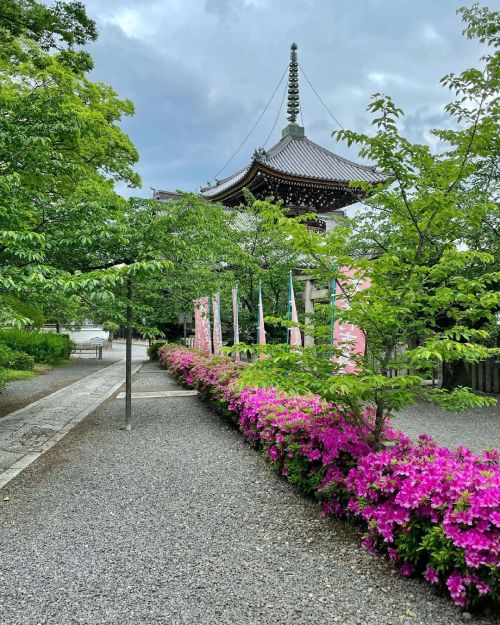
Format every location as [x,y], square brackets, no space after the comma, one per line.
[200,72]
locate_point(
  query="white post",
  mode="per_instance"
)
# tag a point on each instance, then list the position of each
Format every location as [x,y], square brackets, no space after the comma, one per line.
[309,310]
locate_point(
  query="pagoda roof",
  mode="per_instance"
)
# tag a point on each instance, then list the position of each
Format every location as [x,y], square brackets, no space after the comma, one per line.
[297,158]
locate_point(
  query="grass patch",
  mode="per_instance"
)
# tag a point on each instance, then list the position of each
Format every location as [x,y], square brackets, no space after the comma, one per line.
[10,375]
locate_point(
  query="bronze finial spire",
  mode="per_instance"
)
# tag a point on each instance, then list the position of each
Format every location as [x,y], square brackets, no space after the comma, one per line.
[293,109]
[293,86]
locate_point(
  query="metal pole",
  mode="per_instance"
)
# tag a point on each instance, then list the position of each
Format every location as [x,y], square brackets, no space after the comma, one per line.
[128,360]
[289,311]
[258,311]
[332,309]
[185,333]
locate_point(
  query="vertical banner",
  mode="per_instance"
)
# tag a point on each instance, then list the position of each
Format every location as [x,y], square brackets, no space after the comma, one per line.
[236,323]
[261,331]
[348,337]
[332,306]
[217,329]
[294,336]
[202,338]
[197,324]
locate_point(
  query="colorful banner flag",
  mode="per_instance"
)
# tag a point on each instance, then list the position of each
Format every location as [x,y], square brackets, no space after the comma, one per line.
[236,323]
[202,338]
[294,337]
[261,331]
[346,336]
[217,329]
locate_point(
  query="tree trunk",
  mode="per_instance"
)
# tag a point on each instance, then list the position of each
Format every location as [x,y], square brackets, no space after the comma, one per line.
[455,374]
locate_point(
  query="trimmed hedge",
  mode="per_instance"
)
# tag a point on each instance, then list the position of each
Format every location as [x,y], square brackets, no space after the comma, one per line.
[433,511]
[13,359]
[45,347]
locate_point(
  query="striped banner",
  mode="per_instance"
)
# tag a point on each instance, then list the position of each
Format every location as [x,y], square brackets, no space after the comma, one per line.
[202,338]
[217,329]
[347,336]
[261,331]
[294,336]
[236,322]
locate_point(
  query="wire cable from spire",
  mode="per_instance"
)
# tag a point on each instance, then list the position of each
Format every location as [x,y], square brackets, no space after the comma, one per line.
[277,115]
[253,127]
[320,99]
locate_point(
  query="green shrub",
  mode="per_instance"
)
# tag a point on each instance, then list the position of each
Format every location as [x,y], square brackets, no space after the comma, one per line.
[22,361]
[5,355]
[14,359]
[153,349]
[45,347]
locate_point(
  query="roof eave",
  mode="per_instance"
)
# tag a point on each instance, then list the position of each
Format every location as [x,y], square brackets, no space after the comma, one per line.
[257,166]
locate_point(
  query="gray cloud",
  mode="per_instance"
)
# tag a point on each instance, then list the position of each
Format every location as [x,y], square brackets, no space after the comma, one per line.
[201,71]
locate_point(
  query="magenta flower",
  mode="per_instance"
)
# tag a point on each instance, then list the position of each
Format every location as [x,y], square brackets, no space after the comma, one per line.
[407,569]
[431,575]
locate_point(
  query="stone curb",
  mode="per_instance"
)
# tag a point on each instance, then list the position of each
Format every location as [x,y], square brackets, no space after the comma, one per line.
[158,394]
[25,461]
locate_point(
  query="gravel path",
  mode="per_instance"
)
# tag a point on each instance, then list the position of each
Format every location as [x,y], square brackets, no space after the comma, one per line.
[23,392]
[477,429]
[180,522]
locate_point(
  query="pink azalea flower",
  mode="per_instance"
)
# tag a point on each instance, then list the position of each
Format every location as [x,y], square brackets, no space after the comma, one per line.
[431,575]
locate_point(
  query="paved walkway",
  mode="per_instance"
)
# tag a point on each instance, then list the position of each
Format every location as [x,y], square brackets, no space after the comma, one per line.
[27,433]
[179,522]
[23,392]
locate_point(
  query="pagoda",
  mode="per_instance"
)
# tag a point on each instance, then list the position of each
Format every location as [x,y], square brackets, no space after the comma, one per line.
[302,174]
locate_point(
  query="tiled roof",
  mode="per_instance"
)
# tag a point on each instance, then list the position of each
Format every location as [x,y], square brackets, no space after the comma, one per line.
[165,196]
[301,157]
[226,183]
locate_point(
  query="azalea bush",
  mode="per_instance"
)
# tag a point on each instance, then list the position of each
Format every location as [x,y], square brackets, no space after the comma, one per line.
[433,511]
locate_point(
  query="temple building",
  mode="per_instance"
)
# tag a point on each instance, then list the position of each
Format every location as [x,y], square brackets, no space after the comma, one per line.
[306,177]
[301,173]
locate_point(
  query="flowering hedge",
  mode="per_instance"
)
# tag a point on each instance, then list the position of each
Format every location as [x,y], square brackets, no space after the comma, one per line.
[434,511]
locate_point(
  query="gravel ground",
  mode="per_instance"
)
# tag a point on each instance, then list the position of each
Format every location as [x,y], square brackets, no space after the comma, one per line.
[477,429]
[180,522]
[23,392]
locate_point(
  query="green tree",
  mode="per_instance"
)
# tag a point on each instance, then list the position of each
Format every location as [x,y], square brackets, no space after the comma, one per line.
[211,249]
[427,240]
[61,150]
[192,237]
[264,257]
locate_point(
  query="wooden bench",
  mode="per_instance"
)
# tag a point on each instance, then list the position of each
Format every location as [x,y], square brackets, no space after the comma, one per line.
[94,345]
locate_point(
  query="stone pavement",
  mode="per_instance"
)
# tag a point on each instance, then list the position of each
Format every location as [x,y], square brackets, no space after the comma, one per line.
[20,393]
[27,433]
[477,428]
